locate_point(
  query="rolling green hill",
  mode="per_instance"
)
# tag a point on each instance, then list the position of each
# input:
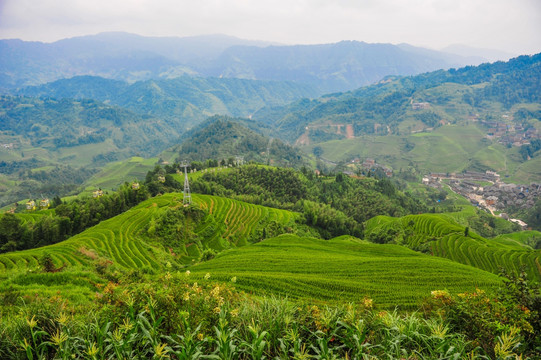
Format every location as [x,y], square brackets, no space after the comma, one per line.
[133,239]
[222,138]
[50,147]
[160,231]
[76,131]
[112,175]
[341,269]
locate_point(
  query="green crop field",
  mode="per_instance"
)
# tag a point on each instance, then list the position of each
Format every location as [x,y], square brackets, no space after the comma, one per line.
[342,269]
[122,240]
[527,238]
[297,266]
[446,239]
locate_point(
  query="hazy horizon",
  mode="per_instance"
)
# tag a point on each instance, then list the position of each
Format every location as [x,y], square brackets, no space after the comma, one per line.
[511,27]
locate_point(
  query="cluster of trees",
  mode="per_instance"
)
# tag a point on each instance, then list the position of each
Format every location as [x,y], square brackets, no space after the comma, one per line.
[528,151]
[60,174]
[169,184]
[533,218]
[65,220]
[336,204]
[275,187]
[60,180]
[329,221]
[430,118]
[174,228]
[10,167]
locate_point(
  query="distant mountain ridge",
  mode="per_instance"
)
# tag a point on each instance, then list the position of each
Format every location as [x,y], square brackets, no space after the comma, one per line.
[333,67]
[183,101]
[114,55]
[330,67]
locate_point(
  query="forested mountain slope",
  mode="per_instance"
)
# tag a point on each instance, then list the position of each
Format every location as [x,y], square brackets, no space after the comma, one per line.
[183,101]
[224,138]
[481,115]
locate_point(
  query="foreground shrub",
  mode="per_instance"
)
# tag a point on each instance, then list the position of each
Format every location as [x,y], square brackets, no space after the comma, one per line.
[504,325]
[172,316]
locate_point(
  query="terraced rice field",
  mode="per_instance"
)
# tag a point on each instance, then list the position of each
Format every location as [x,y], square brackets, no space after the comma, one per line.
[341,270]
[488,255]
[121,239]
[237,220]
[447,240]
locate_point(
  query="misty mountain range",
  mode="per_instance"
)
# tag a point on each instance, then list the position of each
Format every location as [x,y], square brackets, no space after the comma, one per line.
[121,56]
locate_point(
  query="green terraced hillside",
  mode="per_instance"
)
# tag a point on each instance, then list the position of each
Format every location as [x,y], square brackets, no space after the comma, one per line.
[124,240]
[342,269]
[440,235]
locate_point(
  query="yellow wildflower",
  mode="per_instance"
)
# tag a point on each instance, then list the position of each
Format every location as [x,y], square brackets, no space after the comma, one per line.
[126,325]
[215,292]
[368,303]
[160,351]
[93,350]
[217,310]
[207,276]
[62,319]
[117,335]
[200,336]
[235,312]
[59,338]
[442,295]
[32,322]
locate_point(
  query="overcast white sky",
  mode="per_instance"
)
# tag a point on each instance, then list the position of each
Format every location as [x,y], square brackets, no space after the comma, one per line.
[509,25]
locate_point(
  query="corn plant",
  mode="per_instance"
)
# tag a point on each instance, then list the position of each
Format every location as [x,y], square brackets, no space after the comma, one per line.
[37,347]
[355,338]
[188,346]
[257,345]
[321,347]
[226,343]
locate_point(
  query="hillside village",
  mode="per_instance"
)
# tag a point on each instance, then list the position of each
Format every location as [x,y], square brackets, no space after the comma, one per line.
[510,135]
[486,190]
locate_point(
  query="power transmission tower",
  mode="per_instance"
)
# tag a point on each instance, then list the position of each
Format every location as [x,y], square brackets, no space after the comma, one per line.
[239,160]
[187,199]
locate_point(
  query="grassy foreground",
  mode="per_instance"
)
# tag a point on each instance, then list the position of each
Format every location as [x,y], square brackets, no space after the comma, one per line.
[174,317]
[340,270]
